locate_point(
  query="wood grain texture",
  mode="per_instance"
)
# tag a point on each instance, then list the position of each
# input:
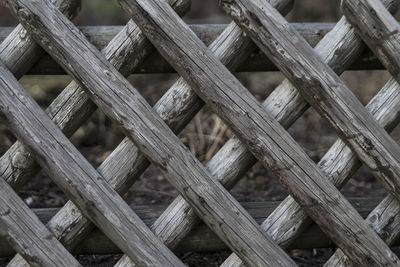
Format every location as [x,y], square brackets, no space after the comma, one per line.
[323,89]
[71,107]
[202,239]
[339,163]
[265,138]
[178,220]
[100,36]
[19,51]
[24,231]
[77,178]
[19,225]
[122,102]
[372,21]
[119,169]
[69,111]
[230,47]
[285,103]
[379,29]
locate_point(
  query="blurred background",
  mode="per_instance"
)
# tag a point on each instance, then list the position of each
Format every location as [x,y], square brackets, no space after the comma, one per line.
[205,135]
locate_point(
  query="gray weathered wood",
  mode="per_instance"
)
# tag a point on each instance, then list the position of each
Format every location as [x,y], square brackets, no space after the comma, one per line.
[285,103]
[122,170]
[77,178]
[379,29]
[24,231]
[339,164]
[19,51]
[20,226]
[100,36]
[322,88]
[119,100]
[263,135]
[202,239]
[70,109]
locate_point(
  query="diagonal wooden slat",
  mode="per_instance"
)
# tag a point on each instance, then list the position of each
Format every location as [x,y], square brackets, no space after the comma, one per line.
[380,31]
[125,164]
[69,110]
[24,231]
[119,100]
[72,107]
[385,204]
[233,159]
[19,51]
[236,106]
[322,88]
[77,178]
[230,48]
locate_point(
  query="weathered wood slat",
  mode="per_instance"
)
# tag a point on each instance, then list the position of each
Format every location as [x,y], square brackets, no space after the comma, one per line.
[100,36]
[69,110]
[323,89]
[122,170]
[74,100]
[233,159]
[72,107]
[19,51]
[378,31]
[339,163]
[262,134]
[393,113]
[339,105]
[19,225]
[202,239]
[24,231]
[122,102]
[77,178]
[231,47]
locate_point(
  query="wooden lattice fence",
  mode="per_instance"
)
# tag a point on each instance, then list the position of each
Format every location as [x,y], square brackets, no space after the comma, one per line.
[312,80]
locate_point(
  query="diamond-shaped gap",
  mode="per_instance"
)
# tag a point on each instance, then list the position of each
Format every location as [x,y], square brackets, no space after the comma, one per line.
[205,134]
[365,85]
[260,84]
[97,138]
[313,133]
[40,191]
[151,187]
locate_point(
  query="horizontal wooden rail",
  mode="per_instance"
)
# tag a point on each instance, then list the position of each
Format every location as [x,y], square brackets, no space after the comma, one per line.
[101,35]
[202,239]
